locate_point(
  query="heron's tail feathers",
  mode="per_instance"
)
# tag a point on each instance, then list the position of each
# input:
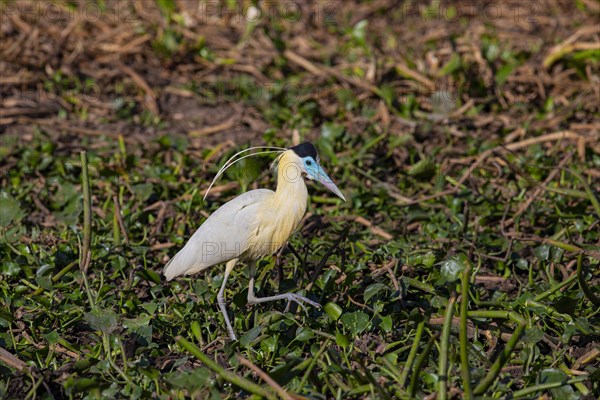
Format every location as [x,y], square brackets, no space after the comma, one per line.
[168,270]
[184,263]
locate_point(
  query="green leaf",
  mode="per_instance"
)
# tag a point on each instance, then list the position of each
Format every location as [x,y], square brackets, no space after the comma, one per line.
[552,375]
[503,73]
[10,209]
[200,287]
[44,282]
[142,190]
[566,305]
[359,31]
[333,311]
[386,323]
[189,381]
[134,323]
[151,372]
[532,335]
[304,334]
[372,290]
[76,385]
[522,264]
[196,331]
[452,65]
[167,7]
[67,193]
[269,344]
[392,358]
[592,55]
[428,259]
[150,308]
[150,275]
[453,267]
[82,365]
[438,302]
[342,340]
[387,94]
[249,336]
[556,253]
[52,337]
[104,320]
[583,325]
[542,252]
[492,52]
[355,322]
[69,214]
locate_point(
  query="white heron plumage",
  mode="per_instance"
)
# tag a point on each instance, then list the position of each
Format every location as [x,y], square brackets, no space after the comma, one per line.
[254,225]
[234,219]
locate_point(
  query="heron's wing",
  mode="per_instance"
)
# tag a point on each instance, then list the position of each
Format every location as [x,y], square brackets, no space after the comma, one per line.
[222,237]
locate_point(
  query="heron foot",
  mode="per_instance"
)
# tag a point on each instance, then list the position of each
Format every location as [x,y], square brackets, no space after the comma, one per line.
[299,300]
[289,297]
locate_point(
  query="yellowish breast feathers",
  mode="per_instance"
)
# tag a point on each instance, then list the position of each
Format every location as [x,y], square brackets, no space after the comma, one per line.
[279,217]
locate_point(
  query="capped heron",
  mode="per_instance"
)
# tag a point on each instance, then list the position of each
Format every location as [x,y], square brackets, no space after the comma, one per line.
[254,225]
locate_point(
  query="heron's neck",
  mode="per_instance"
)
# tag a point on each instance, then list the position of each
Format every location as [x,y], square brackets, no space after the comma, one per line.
[291,194]
[279,216]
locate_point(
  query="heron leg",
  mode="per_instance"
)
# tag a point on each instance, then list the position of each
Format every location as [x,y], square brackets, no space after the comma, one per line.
[278,259]
[296,298]
[252,272]
[221,297]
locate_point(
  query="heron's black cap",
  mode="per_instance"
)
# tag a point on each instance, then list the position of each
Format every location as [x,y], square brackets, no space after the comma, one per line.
[306,149]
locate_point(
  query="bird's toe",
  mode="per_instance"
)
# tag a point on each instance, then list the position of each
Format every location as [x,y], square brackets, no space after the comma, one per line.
[308,301]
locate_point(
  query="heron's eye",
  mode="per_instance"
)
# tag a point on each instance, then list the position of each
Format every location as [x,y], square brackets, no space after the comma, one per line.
[308,162]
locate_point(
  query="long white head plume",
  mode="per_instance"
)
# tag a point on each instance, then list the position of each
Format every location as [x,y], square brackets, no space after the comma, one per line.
[230,162]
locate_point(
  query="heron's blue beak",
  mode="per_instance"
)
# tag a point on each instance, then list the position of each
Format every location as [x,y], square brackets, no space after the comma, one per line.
[317,173]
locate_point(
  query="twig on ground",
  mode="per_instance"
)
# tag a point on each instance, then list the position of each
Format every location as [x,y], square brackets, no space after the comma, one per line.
[538,190]
[265,377]
[209,130]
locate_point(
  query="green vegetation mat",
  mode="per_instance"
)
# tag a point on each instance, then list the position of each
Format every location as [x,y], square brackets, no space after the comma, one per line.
[465,136]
